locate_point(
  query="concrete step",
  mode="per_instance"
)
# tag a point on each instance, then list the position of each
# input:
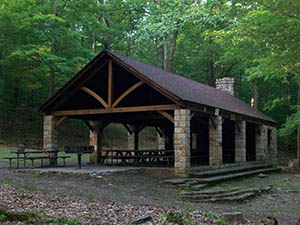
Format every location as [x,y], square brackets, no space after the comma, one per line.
[219,172]
[216,179]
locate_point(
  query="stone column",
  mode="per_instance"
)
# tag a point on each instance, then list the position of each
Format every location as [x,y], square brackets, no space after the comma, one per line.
[272,148]
[182,135]
[96,139]
[240,142]
[133,138]
[261,144]
[50,139]
[215,141]
[161,142]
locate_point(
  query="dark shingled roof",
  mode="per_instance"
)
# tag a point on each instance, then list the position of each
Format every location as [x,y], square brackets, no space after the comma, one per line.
[192,91]
[184,88]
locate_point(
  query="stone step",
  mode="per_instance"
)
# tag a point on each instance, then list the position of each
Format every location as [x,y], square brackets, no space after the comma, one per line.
[219,172]
[216,179]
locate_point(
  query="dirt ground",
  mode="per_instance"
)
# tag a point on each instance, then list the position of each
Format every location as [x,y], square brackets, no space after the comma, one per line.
[147,188]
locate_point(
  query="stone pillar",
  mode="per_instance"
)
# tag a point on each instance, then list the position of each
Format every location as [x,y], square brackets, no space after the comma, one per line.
[182,135]
[215,141]
[96,139]
[50,139]
[133,138]
[261,144]
[272,148]
[161,142]
[240,142]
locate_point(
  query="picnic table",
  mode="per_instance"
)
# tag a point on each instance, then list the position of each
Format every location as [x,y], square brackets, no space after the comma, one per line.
[22,154]
[138,157]
[79,150]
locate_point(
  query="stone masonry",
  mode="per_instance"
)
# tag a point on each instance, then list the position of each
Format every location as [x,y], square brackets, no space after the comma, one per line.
[271,154]
[182,134]
[131,141]
[261,138]
[50,138]
[215,141]
[226,84]
[240,142]
[96,140]
[161,142]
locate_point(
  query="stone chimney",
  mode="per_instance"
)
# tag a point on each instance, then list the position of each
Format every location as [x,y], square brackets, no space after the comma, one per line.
[226,84]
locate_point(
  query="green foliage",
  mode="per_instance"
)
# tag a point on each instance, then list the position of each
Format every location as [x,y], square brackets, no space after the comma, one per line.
[63,220]
[291,125]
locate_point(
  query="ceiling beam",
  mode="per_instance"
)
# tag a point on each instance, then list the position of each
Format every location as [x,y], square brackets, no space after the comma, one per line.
[115,110]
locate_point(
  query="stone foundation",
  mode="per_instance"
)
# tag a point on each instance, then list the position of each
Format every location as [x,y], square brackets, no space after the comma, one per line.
[215,141]
[182,134]
[240,142]
[50,139]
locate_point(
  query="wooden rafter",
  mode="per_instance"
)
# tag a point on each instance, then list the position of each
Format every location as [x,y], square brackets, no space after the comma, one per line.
[213,122]
[192,115]
[127,92]
[97,97]
[238,126]
[159,131]
[60,121]
[169,95]
[128,128]
[115,110]
[89,125]
[167,115]
[110,83]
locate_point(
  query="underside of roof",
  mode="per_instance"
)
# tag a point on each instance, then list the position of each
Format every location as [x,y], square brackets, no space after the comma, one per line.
[175,88]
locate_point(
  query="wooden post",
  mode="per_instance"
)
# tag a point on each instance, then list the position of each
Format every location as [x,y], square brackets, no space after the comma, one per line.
[110,84]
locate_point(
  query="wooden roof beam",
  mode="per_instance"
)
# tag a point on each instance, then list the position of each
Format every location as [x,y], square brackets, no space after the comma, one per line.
[60,121]
[167,115]
[115,110]
[97,97]
[127,92]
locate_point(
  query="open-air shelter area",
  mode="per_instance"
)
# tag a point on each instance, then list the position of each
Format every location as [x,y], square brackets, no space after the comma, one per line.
[196,124]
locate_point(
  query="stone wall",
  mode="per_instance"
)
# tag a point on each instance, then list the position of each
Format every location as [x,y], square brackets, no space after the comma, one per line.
[182,134]
[240,142]
[215,141]
[50,137]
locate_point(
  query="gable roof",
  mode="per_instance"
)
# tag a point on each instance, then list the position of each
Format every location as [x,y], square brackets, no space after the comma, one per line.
[181,87]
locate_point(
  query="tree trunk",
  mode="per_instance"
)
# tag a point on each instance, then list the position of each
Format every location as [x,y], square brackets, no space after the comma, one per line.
[211,74]
[107,39]
[53,51]
[298,135]
[172,51]
[256,94]
[94,43]
[130,40]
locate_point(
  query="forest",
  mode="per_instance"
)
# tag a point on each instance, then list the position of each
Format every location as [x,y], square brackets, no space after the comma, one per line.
[43,43]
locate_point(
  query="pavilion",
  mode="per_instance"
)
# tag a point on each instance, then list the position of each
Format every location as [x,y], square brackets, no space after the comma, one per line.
[201,124]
